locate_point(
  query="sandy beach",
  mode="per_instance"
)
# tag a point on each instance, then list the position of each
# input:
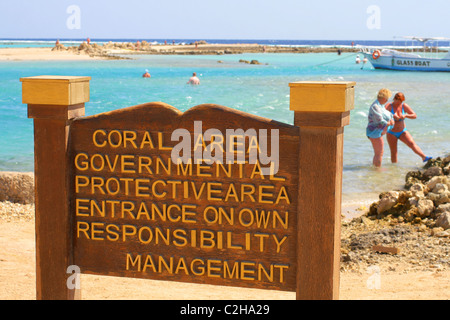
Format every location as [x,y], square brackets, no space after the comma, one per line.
[41,54]
[118,50]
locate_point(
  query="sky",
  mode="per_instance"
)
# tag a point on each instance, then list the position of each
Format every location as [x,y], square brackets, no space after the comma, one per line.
[230,19]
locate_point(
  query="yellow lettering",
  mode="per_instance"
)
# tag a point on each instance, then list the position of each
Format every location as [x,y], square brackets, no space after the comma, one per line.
[116,234]
[146,140]
[79,207]
[128,230]
[187,214]
[95,231]
[168,267]
[148,264]
[180,234]
[84,228]
[97,183]
[143,211]
[181,266]
[127,161]
[279,243]
[282,195]
[232,193]
[248,193]
[229,240]
[129,136]
[211,268]
[201,267]
[93,162]
[79,183]
[256,170]
[169,209]
[141,188]
[234,273]
[112,167]
[246,222]
[94,138]
[247,274]
[269,275]
[128,207]
[262,194]
[149,236]
[282,269]
[115,143]
[110,190]
[155,193]
[207,239]
[161,143]
[211,191]
[146,165]
[82,165]
[136,261]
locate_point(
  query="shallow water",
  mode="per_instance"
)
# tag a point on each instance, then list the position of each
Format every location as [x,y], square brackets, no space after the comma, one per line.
[258,89]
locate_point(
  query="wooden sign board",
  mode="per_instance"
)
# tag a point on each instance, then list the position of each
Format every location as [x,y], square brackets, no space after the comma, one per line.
[112,197]
[140,213]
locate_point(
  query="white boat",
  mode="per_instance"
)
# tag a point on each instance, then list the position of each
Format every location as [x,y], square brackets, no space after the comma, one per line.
[408,61]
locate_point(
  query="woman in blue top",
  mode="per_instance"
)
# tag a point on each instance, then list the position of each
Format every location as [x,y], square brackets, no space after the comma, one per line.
[379,120]
[400,111]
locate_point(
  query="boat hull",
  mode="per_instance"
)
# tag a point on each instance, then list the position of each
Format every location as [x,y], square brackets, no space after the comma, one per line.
[409,63]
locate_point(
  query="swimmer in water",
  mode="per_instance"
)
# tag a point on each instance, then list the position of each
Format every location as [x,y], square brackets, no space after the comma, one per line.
[146,74]
[194,79]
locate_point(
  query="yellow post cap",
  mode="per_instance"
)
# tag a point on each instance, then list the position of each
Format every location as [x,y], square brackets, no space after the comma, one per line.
[322,96]
[55,90]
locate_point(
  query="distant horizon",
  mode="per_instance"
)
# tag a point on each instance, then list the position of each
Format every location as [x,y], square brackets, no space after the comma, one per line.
[206,39]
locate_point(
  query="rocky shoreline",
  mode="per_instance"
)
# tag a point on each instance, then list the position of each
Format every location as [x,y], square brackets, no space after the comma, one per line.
[117,50]
[404,227]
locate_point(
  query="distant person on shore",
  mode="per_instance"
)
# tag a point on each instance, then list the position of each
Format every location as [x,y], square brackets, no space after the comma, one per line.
[400,111]
[146,74]
[379,120]
[194,80]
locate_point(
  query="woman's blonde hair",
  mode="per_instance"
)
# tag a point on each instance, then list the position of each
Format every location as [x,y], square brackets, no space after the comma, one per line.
[384,93]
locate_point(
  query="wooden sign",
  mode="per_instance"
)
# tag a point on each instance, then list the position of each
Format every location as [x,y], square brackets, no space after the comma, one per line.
[211,195]
[139,212]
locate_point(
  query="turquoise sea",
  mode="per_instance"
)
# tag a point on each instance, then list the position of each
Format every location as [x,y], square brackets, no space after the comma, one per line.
[258,89]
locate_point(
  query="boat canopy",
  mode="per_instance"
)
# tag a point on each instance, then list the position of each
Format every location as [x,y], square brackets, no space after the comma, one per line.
[396,53]
[425,39]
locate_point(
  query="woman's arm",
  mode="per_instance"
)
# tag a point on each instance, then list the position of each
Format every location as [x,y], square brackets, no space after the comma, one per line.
[409,113]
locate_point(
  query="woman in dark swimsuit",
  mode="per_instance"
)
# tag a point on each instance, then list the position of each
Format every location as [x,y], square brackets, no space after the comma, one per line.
[401,111]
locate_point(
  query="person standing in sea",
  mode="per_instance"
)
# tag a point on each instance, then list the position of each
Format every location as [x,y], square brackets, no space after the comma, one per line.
[379,120]
[401,111]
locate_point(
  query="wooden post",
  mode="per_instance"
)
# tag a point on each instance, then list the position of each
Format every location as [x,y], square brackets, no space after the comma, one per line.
[322,109]
[52,102]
